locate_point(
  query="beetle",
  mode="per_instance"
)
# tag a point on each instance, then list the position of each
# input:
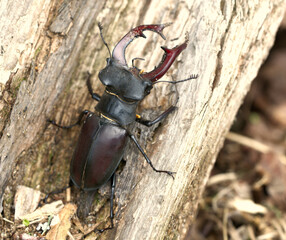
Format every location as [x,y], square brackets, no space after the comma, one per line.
[104,133]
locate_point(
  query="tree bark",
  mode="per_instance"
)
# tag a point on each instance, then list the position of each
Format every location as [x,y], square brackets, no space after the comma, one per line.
[48,46]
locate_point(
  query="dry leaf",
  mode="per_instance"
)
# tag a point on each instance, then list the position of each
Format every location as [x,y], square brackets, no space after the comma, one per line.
[60,230]
[271,166]
[26,201]
[247,205]
[26,236]
[46,210]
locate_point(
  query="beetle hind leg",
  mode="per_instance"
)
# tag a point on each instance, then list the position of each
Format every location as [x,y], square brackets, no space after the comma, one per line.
[113,183]
[111,216]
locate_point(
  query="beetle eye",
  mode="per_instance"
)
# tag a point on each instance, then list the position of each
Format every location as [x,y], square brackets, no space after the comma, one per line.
[148,90]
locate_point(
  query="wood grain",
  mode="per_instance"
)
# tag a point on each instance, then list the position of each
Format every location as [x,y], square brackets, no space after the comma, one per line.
[228,41]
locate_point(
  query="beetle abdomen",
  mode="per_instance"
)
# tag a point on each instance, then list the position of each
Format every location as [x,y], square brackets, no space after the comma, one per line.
[99,150]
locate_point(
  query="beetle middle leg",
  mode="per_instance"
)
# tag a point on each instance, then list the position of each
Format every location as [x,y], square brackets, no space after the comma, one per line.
[150,123]
[146,157]
[83,113]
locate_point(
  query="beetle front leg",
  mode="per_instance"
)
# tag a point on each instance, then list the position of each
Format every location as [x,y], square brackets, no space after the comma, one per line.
[72,125]
[149,123]
[147,159]
[95,96]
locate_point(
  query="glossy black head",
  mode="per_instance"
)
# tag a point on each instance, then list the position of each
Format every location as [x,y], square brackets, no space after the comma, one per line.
[124,82]
[129,83]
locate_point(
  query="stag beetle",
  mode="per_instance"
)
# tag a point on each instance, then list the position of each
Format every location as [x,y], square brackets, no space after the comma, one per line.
[104,134]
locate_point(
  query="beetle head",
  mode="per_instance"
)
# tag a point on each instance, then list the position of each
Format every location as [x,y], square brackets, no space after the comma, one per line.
[124,82]
[129,83]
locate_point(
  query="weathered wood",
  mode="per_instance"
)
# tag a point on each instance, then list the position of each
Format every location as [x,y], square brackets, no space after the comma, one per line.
[228,41]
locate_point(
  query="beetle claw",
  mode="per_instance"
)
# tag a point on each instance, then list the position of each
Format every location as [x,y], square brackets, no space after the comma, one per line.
[102,230]
[167,60]
[171,174]
[167,172]
[142,35]
[118,53]
[51,121]
[169,57]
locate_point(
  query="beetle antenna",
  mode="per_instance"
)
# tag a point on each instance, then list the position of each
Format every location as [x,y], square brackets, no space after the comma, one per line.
[100,29]
[134,59]
[193,76]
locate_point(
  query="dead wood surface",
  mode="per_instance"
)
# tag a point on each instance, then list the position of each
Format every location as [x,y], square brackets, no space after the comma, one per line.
[46,49]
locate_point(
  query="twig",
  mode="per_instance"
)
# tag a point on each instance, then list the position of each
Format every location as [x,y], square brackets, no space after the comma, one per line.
[225,219]
[223,177]
[254,144]
[7,220]
[70,235]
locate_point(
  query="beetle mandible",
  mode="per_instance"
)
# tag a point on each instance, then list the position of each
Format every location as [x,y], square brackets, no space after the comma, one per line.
[104,134]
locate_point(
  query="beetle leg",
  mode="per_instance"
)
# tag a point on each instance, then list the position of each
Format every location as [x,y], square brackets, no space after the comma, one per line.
[70,126]
[149,123]
[113,182]
[146,157]
[88,83]
[54,192]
